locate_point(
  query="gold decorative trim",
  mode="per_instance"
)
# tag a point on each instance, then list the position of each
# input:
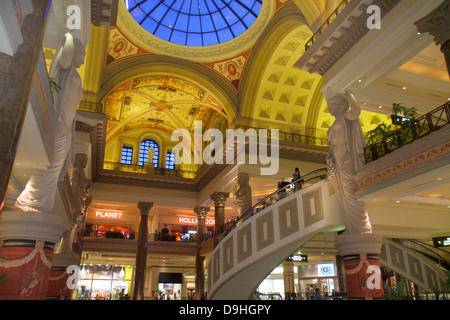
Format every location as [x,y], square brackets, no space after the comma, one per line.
[407,164]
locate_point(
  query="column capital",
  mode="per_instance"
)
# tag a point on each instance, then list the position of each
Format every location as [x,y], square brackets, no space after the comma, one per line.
[219,198]
[145,207]
[437,23]
[201,212]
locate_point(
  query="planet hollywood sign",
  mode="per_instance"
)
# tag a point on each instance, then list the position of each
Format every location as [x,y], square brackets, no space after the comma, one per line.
[108,215]
[187,220]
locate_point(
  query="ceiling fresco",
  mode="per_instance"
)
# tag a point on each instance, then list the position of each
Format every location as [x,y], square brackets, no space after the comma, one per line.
[160,102]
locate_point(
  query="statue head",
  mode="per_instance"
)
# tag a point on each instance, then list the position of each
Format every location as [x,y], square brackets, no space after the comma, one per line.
[81,161]
[79,53]
[338,104]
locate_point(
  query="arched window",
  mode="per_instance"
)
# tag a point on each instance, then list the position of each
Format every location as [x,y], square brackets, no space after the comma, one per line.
[143,152]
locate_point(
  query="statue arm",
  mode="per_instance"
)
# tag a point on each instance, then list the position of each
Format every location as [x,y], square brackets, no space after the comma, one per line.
[355,109]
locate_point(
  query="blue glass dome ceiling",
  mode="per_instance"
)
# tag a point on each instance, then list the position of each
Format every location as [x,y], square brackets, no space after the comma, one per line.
[195,22]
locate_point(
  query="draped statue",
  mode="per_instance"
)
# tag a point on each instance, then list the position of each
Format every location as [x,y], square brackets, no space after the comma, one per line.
[344,159]
[39,193]
[243,194]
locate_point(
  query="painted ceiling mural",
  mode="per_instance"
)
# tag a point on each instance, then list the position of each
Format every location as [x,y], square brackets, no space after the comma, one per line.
[160,102]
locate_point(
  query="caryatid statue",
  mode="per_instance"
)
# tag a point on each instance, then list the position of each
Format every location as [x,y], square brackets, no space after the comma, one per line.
[39,193]
[243,194]
[345,158]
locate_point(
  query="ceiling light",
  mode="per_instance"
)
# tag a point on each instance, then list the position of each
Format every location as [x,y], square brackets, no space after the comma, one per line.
[359,80]
[379,107]
[404,88]
[398,201]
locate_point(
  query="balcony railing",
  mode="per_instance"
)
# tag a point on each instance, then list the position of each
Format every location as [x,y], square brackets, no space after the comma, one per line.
[116,166]
[292,137]
[410,132]
[327,22]
[305,181]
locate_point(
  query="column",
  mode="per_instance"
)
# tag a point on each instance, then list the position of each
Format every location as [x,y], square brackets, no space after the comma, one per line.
[436,24]
[289,283]
[201,213]
[219,203]
[200,277]
[29,239]
[16,73]
[199,261]
[141,255]
[360,253]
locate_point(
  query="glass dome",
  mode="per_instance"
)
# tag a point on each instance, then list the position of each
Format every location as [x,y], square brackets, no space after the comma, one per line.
[195,22]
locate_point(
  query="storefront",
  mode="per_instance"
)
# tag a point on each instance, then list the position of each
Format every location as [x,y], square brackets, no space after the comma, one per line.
[180,228]
[110,224]
[104,282]
[169,286]
[322,276]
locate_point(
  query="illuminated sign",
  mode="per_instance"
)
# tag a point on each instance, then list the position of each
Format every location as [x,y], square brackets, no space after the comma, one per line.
[187,220]
[108,214]
[441,242]
[298,258]
[325,270]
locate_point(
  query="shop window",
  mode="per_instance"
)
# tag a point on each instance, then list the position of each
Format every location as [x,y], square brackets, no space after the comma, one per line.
[170,161]
[143,152]
[127,155]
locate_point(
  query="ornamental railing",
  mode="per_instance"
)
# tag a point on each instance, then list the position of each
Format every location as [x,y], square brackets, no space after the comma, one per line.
[282,192]
[116,166]
[409,132]
[291,137]
[327,22]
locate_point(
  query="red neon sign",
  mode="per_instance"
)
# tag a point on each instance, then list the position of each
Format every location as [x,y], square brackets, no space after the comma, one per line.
[187,220]
[108,214]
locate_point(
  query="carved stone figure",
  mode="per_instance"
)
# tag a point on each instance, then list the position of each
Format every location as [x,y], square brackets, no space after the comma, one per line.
[344,159]
[79,183]
[39,193]
[243,194]
[151,154]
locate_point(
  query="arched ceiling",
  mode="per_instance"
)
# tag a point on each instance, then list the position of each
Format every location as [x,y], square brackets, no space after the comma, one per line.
[159,102]
[285,93]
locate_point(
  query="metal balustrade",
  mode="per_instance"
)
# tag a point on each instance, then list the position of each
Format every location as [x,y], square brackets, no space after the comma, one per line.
[308,179]
[409,132]
[327,22]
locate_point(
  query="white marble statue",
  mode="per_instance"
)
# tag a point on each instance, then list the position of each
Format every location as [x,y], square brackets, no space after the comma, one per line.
[344,159]
[39,193]
[243,194]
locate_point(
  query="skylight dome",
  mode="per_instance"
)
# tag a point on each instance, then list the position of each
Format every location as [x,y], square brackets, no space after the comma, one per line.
[195,22]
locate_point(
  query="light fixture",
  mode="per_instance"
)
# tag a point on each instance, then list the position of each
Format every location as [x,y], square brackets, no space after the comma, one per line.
[122,272]
[379,107]
[398,201]
[404,88]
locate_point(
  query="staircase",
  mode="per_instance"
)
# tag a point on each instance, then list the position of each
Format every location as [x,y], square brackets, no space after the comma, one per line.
[249,252]
[416,267]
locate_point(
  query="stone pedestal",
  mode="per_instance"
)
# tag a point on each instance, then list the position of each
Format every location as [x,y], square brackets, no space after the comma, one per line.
[27,252]
[360,253]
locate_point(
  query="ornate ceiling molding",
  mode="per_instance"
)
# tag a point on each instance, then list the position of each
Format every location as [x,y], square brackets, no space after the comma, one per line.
[151,43]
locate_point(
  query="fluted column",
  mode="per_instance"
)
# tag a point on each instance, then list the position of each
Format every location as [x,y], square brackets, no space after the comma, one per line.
[437,24]
[141,255]
[289,283]
[17,75]
[219,204]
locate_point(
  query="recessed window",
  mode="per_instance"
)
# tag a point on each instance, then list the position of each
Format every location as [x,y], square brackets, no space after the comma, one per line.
[127,155]
[195,22]
[143,152]
[170,161]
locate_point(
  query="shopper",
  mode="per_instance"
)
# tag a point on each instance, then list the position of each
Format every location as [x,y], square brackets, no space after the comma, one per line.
[296,179]
[317,295]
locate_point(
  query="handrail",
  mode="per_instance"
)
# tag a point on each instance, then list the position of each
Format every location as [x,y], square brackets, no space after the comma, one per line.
[326,23]
[426,245]
[250,212]
[420,127]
